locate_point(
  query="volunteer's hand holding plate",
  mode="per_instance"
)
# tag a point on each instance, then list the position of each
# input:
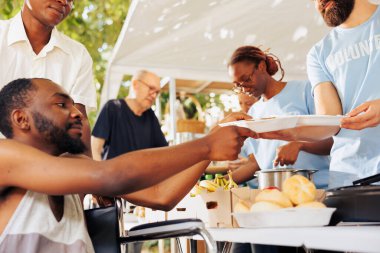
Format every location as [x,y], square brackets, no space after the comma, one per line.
[285,127]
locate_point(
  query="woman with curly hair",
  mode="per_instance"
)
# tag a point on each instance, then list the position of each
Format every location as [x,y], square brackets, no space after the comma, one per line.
[252,71]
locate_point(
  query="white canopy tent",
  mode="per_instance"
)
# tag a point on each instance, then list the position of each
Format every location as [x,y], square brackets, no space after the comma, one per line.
[193,39]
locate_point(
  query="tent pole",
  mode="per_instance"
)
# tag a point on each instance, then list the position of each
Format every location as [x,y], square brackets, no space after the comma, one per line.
[158,109]
[172,99]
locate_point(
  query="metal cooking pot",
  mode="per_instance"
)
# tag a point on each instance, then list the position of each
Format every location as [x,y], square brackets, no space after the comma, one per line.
[276,177]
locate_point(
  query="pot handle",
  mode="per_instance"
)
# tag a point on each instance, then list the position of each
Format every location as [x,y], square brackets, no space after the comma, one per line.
[367,180]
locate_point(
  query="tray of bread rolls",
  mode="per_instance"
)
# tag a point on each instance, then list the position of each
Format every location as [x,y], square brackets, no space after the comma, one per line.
[295,206]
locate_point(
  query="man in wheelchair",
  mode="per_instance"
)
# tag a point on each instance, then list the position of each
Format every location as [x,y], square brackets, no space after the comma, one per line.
[43,178]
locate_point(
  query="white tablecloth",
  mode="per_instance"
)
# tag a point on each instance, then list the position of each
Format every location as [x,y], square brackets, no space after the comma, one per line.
[341,238]
[345,238]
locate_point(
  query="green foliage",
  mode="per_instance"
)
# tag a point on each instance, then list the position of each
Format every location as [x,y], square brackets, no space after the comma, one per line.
[206,101]
[124,87]
[188,105]
[152,246]
[96,24]
[190,109]
[9,8]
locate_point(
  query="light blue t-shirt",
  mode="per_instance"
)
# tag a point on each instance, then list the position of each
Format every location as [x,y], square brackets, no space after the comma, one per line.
[244,152]
[350,59]
[294,99]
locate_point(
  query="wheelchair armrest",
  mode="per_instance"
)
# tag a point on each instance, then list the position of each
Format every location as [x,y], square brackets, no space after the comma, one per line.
[164,223]
[169,229]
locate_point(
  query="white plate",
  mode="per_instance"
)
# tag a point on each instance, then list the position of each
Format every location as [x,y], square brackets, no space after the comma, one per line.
[319,120]
[265,125]
[287,217]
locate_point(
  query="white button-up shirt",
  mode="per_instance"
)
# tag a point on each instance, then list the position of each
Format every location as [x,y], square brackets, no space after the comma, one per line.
[63,60]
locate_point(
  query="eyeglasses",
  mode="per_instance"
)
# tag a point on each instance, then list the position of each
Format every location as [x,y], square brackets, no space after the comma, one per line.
[151,88]
[239,86]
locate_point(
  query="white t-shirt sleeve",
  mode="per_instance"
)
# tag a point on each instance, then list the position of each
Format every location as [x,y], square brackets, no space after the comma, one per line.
[83,90]
[315,69]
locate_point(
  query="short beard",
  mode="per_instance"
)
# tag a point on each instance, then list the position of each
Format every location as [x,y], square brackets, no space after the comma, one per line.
[55,135]
[338,13]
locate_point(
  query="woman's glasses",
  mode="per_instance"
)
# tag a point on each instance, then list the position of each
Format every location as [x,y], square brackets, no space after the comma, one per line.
[239,86]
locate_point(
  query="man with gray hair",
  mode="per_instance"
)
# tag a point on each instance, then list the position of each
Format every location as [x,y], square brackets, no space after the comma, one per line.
[129,124]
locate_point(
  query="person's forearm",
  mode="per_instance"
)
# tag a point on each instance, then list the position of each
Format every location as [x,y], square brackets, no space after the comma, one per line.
[151,166]
[315,133]
[318,148]
[165,195]
[245,172]
[303,133]
[327,102]
[241,175]
[140,169]
[40,172]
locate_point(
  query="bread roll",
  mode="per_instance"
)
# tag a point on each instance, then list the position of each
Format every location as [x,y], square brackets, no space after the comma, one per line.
[264,206]
[274,196]
[314,204]
[299,189]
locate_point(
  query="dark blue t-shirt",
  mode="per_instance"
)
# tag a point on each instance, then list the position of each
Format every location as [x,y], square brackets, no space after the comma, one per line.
[123,131]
